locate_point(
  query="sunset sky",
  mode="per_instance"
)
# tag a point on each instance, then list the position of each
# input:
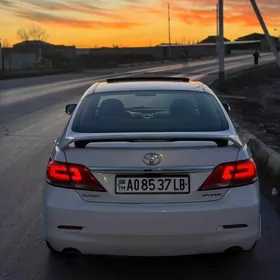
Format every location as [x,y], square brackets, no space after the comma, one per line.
[88,23]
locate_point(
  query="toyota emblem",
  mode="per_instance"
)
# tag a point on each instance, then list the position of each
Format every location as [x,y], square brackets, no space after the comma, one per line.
[152,159]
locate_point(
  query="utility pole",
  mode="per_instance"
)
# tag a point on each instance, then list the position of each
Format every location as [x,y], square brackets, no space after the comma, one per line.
[265,30]
[275,29]
[217,28]
[221,42]
[169,32]
[1,58]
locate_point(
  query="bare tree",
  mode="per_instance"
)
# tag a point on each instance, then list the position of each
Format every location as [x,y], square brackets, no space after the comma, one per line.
[23,34]
[38,33]
[33,33]
[5,43]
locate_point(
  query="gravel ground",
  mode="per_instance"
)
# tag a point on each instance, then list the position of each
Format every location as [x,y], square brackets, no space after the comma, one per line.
[254,97]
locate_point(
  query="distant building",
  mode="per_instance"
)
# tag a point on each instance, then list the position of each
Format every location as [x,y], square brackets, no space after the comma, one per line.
[14,61]
[45,49]
[254,36]
[83,51]
[259,37]
[212,39]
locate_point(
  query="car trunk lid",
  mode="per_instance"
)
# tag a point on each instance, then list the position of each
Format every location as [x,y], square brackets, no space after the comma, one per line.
[117,162]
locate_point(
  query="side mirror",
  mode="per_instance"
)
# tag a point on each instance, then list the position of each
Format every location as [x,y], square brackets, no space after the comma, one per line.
[69,109]
[226,106]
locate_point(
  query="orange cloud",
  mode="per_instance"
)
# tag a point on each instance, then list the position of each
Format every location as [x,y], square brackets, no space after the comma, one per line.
[136,20]
[236,12]
[71,22]
[196,12]
[6,3]
[146,10]
[75,6]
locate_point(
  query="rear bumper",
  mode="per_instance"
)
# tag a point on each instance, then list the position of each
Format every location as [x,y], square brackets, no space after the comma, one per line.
[151,229]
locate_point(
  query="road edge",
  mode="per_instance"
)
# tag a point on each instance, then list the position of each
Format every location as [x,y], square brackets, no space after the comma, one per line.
[267,160]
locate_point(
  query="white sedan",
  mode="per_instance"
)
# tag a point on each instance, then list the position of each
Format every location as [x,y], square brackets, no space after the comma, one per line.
[150,167]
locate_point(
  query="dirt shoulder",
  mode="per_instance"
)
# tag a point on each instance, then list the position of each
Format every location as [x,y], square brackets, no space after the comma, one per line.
[254,97]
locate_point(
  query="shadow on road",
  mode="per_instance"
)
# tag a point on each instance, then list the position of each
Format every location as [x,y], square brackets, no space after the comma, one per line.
[191,267]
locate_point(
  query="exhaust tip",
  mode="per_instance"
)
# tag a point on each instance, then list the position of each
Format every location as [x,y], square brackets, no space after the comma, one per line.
[71,252]
[232,251]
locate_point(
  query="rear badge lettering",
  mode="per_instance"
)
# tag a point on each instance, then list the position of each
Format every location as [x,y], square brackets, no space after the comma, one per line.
[90,195]
[211,194]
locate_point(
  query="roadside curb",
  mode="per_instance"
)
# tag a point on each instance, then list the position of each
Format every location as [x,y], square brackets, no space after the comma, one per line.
[267,160]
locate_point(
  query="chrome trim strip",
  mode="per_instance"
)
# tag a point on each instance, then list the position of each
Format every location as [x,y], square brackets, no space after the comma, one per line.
[175,169]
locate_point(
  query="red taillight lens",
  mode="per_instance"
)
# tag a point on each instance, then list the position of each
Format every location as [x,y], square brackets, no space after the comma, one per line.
[69,175]
[232,174]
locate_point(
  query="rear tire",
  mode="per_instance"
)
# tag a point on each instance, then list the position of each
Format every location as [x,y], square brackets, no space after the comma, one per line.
[252,248]
[70,259]
[53,252]
[238,252]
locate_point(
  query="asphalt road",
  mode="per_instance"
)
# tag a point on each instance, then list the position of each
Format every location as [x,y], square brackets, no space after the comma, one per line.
[31,117]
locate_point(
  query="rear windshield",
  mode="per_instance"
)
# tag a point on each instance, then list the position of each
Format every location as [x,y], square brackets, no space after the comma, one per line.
[149,111]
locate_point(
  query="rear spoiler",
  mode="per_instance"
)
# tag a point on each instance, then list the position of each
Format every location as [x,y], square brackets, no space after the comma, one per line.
[81,140]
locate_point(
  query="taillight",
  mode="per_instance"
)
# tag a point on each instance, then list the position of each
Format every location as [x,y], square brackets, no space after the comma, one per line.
[75,176]
[231,174]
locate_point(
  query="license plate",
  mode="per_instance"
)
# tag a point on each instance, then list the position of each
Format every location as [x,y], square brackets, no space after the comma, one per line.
[153,185]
